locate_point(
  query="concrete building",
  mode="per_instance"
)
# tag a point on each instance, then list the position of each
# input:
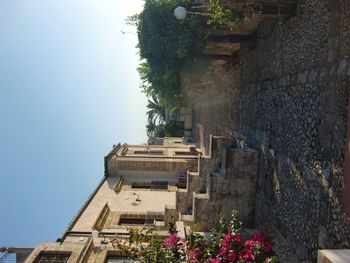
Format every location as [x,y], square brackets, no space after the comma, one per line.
[139,188]
[148,184]
[145,185]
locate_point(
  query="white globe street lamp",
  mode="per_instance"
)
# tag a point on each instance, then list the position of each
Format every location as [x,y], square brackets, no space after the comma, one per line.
[180,13]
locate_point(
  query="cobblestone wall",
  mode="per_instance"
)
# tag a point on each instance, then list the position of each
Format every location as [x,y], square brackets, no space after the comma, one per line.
[294,93]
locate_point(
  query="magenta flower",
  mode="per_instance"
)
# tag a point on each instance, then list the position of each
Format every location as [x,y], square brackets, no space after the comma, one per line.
[260,239]
[229,242]
[214,260]
[232,255]
[193,256]
[171,241]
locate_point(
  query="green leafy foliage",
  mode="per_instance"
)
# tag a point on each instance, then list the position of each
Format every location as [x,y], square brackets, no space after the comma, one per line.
[168,129]
[163,40]
[222,14]
[157,125]
[156,112]
[166,44]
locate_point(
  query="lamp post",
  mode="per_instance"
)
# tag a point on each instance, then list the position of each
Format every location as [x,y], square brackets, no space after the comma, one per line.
[137,197]
[180,13]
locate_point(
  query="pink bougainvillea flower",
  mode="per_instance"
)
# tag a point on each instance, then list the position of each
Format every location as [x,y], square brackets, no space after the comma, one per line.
[171,241]
[193,256]
[260,242]
[215,260]
[232,255]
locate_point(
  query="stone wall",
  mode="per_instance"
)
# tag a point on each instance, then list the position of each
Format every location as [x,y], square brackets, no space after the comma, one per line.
[232,188]
[209,86]
[184,197]
[294,92]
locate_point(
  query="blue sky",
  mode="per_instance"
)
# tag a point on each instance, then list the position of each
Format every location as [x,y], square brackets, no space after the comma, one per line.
[68,92]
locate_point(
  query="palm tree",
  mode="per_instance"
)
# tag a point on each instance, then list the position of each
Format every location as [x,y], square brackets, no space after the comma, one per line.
[150,128]
[156,112]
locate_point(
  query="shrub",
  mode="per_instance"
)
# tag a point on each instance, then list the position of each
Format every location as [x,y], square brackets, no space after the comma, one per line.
[222,246]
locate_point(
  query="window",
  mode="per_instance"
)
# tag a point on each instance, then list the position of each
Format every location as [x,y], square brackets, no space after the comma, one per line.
[159,184]
[116,259]
[150,185]
[154,152]
[52,257]
[148,218]
[186,153]
[141,185]
[134,221]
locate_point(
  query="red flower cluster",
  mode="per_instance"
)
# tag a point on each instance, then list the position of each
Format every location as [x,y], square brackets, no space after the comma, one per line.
[260,239]
[225,247]
[171,241]
[230,243]
[256,249]
[194,255]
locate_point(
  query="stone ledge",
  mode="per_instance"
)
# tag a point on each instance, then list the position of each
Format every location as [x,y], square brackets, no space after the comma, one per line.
[333,256]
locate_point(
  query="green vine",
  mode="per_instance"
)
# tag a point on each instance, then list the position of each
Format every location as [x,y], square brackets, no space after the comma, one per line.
[222,14]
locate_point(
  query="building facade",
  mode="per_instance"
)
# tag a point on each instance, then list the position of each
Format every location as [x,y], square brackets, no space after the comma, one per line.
[146,185]
[139,188]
